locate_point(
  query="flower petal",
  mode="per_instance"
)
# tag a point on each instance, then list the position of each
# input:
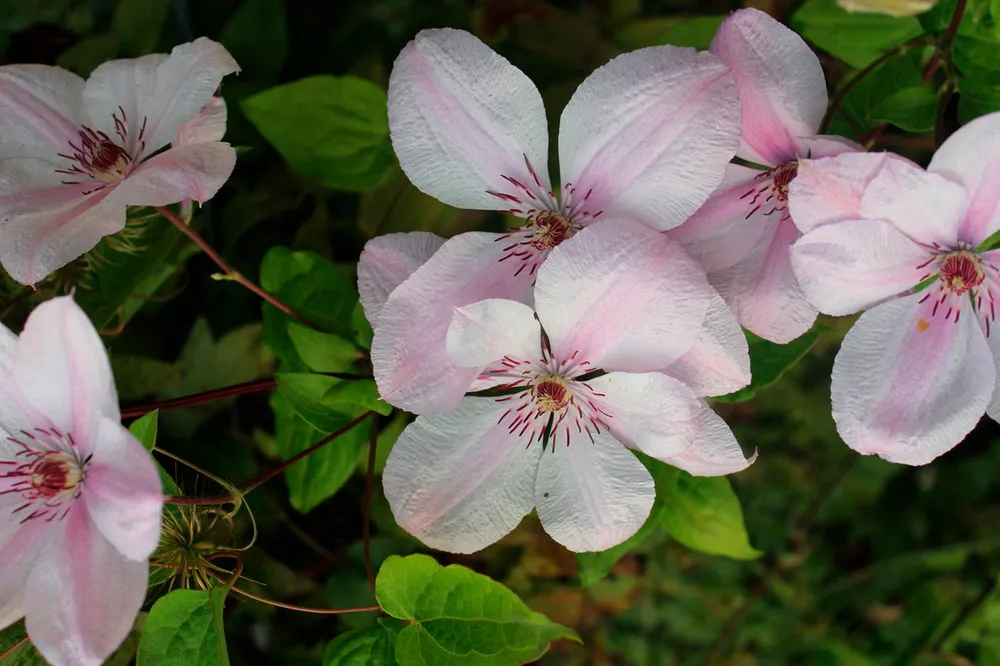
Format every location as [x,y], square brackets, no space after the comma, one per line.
[123,492]
[19,546]
[461,118]
[208,126]
[925,206]
[592,496]
[193,171]
[651,412]
[829,190]
[826,145]
[719,360]
[82,596]
[909,386]
[762,289]
[715,452]
[39,110]
[489,330]
[851,265]
[780,81]
[971,156]
[61,367]
[726,227]
[409,360]
[623,296]
[387,261]
[649,135]
[158,93]
[458,481]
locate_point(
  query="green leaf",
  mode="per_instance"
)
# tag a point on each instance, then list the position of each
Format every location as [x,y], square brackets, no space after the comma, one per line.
[976,100]
[26,655]
[334,129]
[704,514]
[912,109]
[323,401]
[769,360]
[257,37]
[594,567]
[184,628]
[145,430]
[458,617]
[855,38]
[322,352]
[361,647]
[696,32]
[319,476]
[84,56]
[137,376]
[138,24]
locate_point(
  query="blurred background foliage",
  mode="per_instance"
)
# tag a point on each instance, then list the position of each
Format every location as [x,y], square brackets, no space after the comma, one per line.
[811,556]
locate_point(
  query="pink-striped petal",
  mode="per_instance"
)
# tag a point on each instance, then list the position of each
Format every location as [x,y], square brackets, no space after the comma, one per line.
[387,261]
[39,111]
[649,134]
[908,386]
[780,81]
[208,125]
[489,330]
[192,171]
[465,122]
[715,452]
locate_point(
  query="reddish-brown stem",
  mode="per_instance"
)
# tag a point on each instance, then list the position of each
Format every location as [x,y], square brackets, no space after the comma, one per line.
[947,41]
[270,474]
[303,609]
[14,648]
[201,398]
[230,272]
[367,508]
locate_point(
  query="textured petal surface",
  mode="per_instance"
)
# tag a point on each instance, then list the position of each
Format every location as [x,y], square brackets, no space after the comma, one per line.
[908,386]
[387,261]
[651,412]
[623,296]
[411,367]
[123,492]
[993,340]
[156,91]
[19,545]
[61,367]
[208,125]
[458,481]
[592,496]
[195,171]
[461,117]
[719,360]
[850,266]
[781,84]
[489,330]
[39,110]
[726,228]
[715,452]
[649,134]
[925,206]
[82,596]
[762,289]
[829,190]
[971,157]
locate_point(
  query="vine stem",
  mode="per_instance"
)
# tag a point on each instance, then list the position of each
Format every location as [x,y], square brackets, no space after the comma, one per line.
[304,609]
[270,474]
[230,272]
[14,648]
[367,508]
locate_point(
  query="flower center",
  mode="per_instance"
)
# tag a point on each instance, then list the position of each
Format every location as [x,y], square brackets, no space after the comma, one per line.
[551,394]
[961,271]
[770,190]
[98,157]
[47,472]
[548,230]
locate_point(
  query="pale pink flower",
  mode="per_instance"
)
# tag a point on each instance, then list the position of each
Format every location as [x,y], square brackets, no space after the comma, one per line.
[646,137]
[74,154]
[80,498]
[918,369]
[581,388]
[742,234]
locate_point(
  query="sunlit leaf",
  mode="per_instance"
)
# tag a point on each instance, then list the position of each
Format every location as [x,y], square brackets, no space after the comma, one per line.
[184,628]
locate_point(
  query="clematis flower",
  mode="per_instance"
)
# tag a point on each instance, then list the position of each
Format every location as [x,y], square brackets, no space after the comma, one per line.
[579,387]
[75,154]
[80,498]
[742,233]
[918,369]
[645,137]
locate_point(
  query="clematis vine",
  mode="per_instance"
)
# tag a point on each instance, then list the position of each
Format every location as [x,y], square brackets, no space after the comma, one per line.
[576,385]
[918,369]
[80,498]
[742,233]
[75,154]
[646,137]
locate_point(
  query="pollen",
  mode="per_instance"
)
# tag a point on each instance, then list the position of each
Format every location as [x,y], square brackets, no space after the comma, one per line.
[549,229]
[552,394]
[961,271]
